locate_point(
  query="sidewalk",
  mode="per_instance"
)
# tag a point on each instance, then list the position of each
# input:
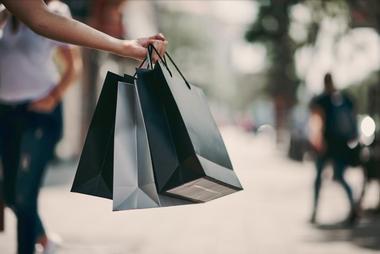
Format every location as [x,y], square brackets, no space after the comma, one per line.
[269,216]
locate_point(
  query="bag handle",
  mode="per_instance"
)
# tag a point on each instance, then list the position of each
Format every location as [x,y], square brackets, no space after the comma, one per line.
[148,57]
[180,73]
[152,48]
[141,65]
[166,65]
[163,60]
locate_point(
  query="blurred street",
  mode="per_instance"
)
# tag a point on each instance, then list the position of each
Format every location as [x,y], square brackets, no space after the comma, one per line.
[269,216]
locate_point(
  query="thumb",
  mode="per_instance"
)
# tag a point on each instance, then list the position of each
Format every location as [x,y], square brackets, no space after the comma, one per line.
[158,36]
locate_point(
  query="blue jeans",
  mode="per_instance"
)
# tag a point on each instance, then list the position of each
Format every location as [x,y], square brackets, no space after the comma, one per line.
[27,141]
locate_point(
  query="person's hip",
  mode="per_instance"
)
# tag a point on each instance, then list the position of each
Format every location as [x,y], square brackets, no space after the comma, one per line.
[20,116]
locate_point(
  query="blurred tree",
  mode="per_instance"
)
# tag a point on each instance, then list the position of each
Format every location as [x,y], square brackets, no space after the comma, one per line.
[276,27]
[272,28]
[366,13]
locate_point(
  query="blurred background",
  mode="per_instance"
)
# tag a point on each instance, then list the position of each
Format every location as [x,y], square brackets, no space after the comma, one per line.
[259,63]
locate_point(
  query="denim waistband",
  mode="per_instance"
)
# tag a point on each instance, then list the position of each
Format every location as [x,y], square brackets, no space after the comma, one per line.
[19,106]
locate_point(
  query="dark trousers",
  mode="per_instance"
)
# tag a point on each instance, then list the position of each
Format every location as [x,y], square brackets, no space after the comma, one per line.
[339,166]
[27,141]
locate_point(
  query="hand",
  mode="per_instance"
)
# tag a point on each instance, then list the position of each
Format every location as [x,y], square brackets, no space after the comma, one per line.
[318,145]
[138,48]
[44,105]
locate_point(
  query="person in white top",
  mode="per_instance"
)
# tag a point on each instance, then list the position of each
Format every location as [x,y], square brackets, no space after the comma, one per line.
[30,118]
[30,91]
[27,69]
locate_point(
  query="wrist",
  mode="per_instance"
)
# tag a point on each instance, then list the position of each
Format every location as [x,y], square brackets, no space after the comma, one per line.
[121,47]
[55,95]
[116,46]
[131,49]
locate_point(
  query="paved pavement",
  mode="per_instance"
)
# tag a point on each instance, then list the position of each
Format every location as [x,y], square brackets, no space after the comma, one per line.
[269,216]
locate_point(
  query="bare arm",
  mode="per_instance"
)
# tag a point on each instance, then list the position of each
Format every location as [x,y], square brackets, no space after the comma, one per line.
[72,65]
[35,14]
[316,129]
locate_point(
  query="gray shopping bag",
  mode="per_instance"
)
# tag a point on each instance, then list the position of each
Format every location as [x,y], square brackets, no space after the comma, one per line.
[133,185]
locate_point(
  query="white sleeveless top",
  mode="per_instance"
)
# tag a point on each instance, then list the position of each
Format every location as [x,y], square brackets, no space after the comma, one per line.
[27,69]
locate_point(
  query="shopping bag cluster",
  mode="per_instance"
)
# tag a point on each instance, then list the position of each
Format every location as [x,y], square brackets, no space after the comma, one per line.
[153,142]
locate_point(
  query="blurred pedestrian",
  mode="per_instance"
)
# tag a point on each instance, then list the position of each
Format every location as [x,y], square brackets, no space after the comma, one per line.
[31,90]
[332,126]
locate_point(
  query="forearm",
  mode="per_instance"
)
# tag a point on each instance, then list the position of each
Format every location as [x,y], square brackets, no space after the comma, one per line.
[316,126]
[65,82]
[71,31]
[72,68]
[35,14]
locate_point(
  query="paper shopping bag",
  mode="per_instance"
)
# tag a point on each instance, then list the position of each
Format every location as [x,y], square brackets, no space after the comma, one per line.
[190,160]
[94,175]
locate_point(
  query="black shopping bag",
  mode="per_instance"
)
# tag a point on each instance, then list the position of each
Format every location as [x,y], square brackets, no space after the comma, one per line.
[190,160]
[94,175]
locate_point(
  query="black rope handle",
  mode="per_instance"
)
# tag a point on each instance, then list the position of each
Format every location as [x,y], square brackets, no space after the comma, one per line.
[163,60]
[142,63]
[149,58]
[166,65]
[180,73]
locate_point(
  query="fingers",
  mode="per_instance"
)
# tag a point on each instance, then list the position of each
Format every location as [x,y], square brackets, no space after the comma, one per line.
[158,41]
[37,107]
[161,48]
[46,104]
[158,36]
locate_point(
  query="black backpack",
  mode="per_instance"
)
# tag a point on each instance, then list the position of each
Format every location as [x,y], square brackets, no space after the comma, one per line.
[342,123]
